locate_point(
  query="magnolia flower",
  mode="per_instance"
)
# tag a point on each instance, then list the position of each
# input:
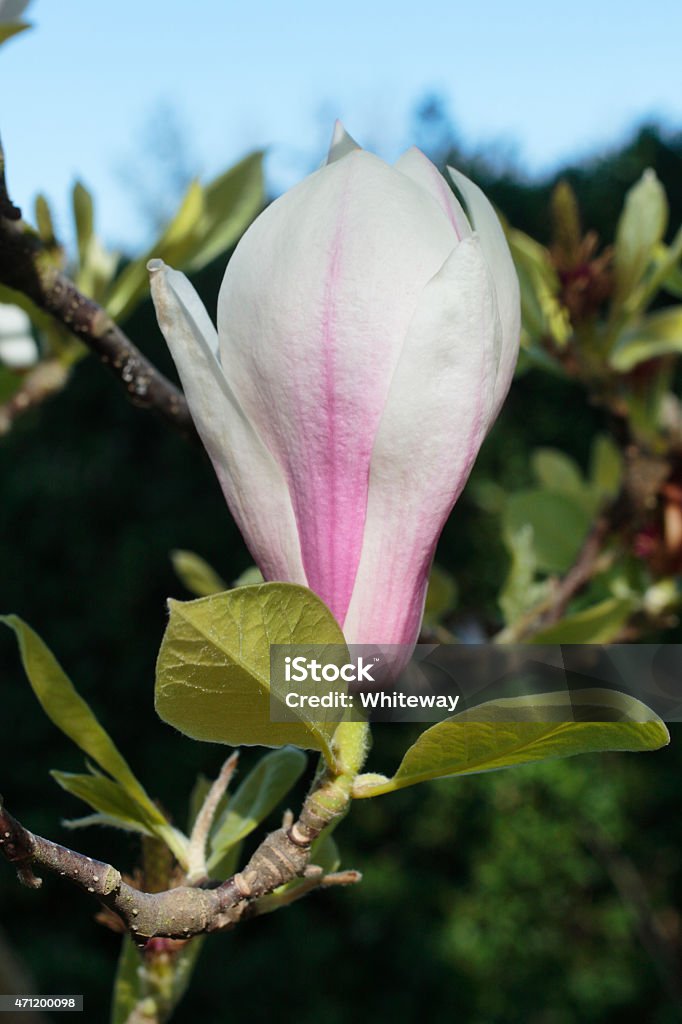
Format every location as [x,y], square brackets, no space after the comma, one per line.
[367,334]
[18,348]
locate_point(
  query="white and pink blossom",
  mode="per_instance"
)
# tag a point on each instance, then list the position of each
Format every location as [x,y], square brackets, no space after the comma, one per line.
[368,330]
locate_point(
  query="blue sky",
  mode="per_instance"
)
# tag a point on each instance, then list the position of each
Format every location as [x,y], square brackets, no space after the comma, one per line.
[549,81]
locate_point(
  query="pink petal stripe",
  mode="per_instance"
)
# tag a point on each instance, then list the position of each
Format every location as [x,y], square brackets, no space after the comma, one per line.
[312,314]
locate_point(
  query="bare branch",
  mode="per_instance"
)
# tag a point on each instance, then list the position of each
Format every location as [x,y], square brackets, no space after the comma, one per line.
[188,910]
[26,266]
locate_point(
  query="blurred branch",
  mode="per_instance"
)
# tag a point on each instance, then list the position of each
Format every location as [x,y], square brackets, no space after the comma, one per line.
[589,561]
[43,380]
[187,910]
[26,266]
[584,567]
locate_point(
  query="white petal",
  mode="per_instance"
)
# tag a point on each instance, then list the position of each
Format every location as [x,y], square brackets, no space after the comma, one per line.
[13,320]
[496,251]
[162,275]
[312,313]
[18,353]
[419,168]
[432,427]
[342,144]
[252,482]
[18,348]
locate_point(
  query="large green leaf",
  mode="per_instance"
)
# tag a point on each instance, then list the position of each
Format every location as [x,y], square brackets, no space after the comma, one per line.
[70,713]
[258,795]
[213,670]
[519,730]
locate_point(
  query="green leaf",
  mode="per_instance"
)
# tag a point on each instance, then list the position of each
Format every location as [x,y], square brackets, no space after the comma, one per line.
[105,820]
[556,471]
[441,596]
[127,989]
[84,217]
[542,312]
[70,713]
[210,220]
[560,474]
[213,670]
[249,577]
[44,220]
[657,335]
[520,592]
[641,227]
[106,797]
[559,526]
[660,274]
[606,467]
[673,280]
[232,201]
[258,795]
[8,30]
[196,574]
[599,624]
[172,246]
[519,730]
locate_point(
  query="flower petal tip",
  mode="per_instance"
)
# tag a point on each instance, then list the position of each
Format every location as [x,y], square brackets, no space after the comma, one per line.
[342,144]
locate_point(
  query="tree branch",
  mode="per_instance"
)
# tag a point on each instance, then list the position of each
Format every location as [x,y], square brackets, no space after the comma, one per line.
[26,266]
[187,910]
[582,570]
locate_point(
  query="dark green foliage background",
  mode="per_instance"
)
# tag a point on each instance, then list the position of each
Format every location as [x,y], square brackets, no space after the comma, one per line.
[483,900]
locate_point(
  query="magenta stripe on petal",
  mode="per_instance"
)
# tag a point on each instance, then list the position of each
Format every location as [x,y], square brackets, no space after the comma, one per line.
[331,535]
